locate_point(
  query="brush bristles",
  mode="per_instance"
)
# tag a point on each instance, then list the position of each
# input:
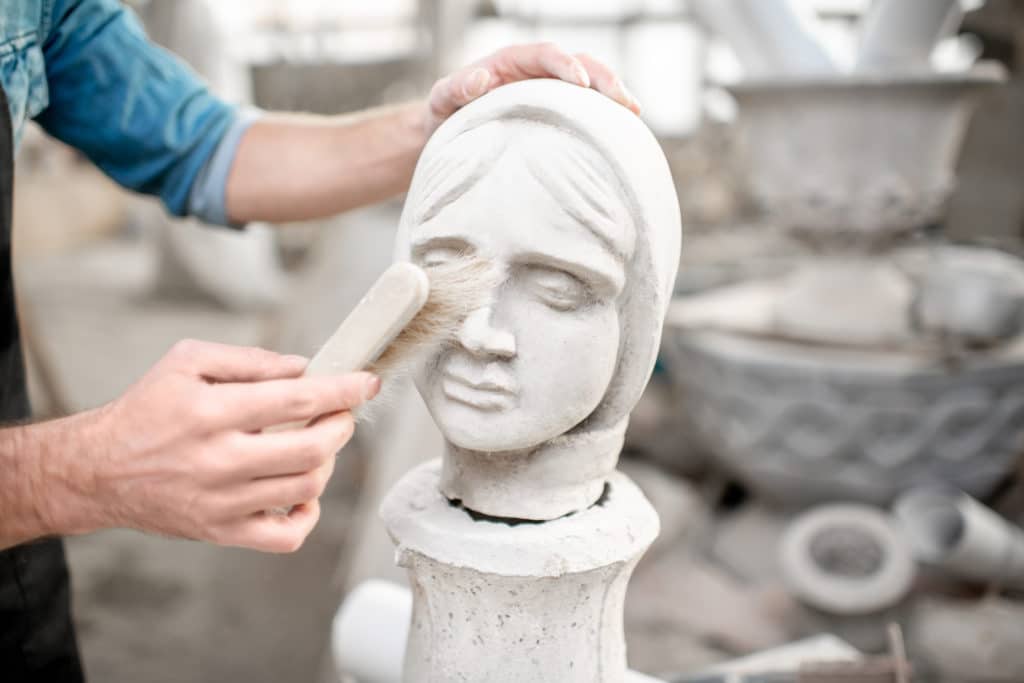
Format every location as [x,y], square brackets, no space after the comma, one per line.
[457,288]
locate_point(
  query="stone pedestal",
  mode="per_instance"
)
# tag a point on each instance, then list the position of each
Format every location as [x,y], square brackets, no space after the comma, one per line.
[497,602]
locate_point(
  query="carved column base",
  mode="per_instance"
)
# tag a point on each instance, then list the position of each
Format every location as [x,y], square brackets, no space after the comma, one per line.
[501,603]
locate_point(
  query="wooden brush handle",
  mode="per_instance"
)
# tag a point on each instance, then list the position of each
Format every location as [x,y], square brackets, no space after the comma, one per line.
[392,302]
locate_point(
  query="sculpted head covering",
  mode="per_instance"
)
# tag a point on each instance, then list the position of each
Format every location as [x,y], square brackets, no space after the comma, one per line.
[619,172]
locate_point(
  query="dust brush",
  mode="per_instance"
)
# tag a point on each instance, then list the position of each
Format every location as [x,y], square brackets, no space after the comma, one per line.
[405,316]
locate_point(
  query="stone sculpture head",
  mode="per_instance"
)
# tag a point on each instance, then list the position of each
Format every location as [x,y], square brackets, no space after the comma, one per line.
[569,194]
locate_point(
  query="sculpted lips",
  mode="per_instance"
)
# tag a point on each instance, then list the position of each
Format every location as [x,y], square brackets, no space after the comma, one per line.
[489,390]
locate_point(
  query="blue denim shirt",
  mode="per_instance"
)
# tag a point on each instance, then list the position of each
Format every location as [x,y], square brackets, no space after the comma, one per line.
[84,70]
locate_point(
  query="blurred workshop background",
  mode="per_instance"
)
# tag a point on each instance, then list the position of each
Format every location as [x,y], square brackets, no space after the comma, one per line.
[751,426]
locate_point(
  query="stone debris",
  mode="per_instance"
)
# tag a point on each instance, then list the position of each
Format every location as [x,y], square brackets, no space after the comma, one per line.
[969,297]
[717,611]
[781,660]
[746,543]
[961,640]
[845,301]
[822,659]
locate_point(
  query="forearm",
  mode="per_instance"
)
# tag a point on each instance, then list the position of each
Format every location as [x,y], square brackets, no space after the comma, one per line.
[42,489]
[292,167]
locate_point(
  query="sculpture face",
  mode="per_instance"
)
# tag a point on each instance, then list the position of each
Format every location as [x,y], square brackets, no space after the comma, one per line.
[571,197]
[539,358]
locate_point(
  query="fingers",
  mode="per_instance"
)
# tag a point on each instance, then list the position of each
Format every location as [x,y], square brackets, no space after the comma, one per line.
[518,63]
[258,526]
[240,512]
[274,533]
[223,363]
[508,65]
[457,90]
[539,60]
[253,406]
[604,80]
[280,492]
[292,452]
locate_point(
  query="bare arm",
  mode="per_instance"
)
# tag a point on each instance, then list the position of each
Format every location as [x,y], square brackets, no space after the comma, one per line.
[34,477]
[293,167]
[182,453]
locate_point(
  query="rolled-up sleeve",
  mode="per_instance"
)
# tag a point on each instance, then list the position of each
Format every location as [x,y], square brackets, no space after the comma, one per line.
[139,113]
[208,198]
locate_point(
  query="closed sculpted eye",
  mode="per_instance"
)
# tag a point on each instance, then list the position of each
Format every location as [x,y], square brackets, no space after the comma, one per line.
[556,288]
[439,252]
[440,255]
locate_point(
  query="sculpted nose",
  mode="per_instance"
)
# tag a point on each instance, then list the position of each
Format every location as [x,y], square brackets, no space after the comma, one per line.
[481,337]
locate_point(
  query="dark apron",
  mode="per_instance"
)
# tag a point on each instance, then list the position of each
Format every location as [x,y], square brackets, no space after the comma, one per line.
[37,640]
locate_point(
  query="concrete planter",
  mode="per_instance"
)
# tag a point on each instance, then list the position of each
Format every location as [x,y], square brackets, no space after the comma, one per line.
[860,159]
[802,424]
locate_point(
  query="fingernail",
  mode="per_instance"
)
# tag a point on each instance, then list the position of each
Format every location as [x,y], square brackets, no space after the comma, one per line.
[297,360]
[581,75]
[371,388]
[478,82]
[631,100]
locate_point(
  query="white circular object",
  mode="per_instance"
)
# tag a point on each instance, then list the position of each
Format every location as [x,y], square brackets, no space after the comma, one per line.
[846,559]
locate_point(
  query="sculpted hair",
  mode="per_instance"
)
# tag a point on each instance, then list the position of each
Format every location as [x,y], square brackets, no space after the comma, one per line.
[579,178]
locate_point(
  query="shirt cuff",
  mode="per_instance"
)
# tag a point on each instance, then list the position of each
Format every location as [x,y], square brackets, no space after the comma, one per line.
[207,199]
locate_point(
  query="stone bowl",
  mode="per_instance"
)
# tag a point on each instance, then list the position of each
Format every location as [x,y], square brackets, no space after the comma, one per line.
[801,424]
[862,158]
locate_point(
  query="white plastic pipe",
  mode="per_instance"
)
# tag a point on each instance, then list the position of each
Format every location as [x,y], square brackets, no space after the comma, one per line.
[768,36]
[900,35]
[370,631]
[951,530]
